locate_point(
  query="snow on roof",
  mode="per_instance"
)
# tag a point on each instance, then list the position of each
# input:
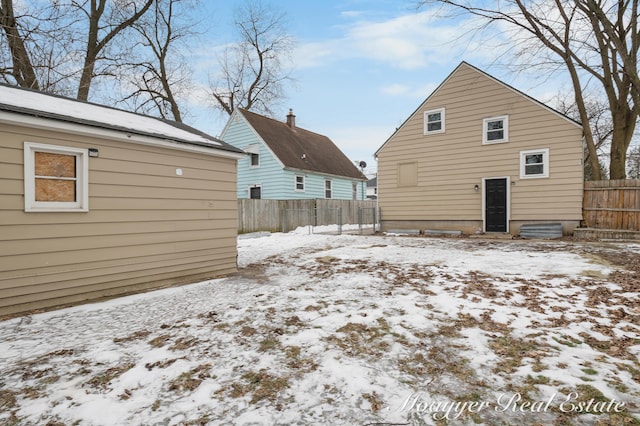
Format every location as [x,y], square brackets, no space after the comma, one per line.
[45,105]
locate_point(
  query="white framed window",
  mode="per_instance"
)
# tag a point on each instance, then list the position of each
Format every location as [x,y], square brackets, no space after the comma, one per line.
[56,178]
[495,129]
[534,163]
[300,183]
[254,160]
[354,190]
[434,121]
[327,188]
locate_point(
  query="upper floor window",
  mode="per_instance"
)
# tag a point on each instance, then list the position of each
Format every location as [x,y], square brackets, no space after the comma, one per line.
[255,160]
[495,129]
[56,178]
[434,121]
[534,163]
[327,189]
[299,183]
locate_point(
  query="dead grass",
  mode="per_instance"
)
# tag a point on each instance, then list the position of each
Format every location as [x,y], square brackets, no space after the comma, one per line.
[297,362]
[190,380]
[8,400]
[358,339]
[138,335]
[160,364]
[160,341]
[103,380]
[260,384]
[512,352]
[183,343]
[374,400]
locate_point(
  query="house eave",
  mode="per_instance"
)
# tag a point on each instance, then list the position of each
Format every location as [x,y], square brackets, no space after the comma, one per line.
[42,123]
[297,170]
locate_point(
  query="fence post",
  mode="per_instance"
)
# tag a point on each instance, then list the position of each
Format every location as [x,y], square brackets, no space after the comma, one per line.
[284,220]
[340,221]
[360,219]
[375,219]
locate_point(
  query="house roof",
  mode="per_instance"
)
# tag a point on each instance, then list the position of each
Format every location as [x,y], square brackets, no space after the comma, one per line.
[463,63]
[301,149]
[39,105]
[372,183]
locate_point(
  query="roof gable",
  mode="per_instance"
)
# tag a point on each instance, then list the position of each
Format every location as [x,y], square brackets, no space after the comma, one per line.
[484,74]
[44,106]
[301,149]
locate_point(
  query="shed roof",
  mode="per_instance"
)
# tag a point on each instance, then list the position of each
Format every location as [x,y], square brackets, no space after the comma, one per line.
[302,149]
[41,105]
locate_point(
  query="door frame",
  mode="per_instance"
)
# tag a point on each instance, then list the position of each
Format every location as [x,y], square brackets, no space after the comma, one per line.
[484,200]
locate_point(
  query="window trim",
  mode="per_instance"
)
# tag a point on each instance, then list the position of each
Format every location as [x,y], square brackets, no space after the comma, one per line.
[426,130]
[485,129]
[295,183]
[82,179]
[545,163]
[329,188]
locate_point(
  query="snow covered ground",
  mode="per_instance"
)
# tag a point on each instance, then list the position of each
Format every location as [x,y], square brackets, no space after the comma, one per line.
[354,330]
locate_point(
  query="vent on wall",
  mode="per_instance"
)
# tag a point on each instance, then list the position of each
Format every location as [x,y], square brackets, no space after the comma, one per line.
[541,230]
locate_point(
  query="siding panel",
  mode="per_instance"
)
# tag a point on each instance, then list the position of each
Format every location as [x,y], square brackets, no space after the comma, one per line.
[451,163]
[146,225]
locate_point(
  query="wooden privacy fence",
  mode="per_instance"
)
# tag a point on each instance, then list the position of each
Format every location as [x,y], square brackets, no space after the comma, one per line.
[274,215]
[612,204]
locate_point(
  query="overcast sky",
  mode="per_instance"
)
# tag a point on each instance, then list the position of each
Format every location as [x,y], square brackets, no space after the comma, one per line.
[363,66]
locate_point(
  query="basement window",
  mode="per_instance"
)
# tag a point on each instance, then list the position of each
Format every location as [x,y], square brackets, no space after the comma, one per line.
[56,178]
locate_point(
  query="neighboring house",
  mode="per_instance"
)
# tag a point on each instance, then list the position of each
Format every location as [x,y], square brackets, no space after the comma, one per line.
[286,162]
[96,202]
[372,188]
[481,156]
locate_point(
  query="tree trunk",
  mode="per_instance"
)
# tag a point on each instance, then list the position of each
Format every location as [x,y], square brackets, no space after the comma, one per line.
[623,128]
[95,46]
[23,70]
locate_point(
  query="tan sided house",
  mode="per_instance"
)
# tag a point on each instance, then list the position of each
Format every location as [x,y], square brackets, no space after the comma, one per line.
[96,201]
[481,156]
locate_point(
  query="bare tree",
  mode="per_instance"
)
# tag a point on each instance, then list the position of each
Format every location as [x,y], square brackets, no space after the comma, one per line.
[163,75]
[103,25]
[58,45]
[37,48]
[601,128]
[252,73]
[22,69]
[594,41]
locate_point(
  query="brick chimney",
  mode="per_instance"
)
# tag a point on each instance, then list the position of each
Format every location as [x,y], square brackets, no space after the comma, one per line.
[291,119]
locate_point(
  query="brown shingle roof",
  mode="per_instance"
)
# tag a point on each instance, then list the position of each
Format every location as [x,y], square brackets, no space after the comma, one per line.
[320,153]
